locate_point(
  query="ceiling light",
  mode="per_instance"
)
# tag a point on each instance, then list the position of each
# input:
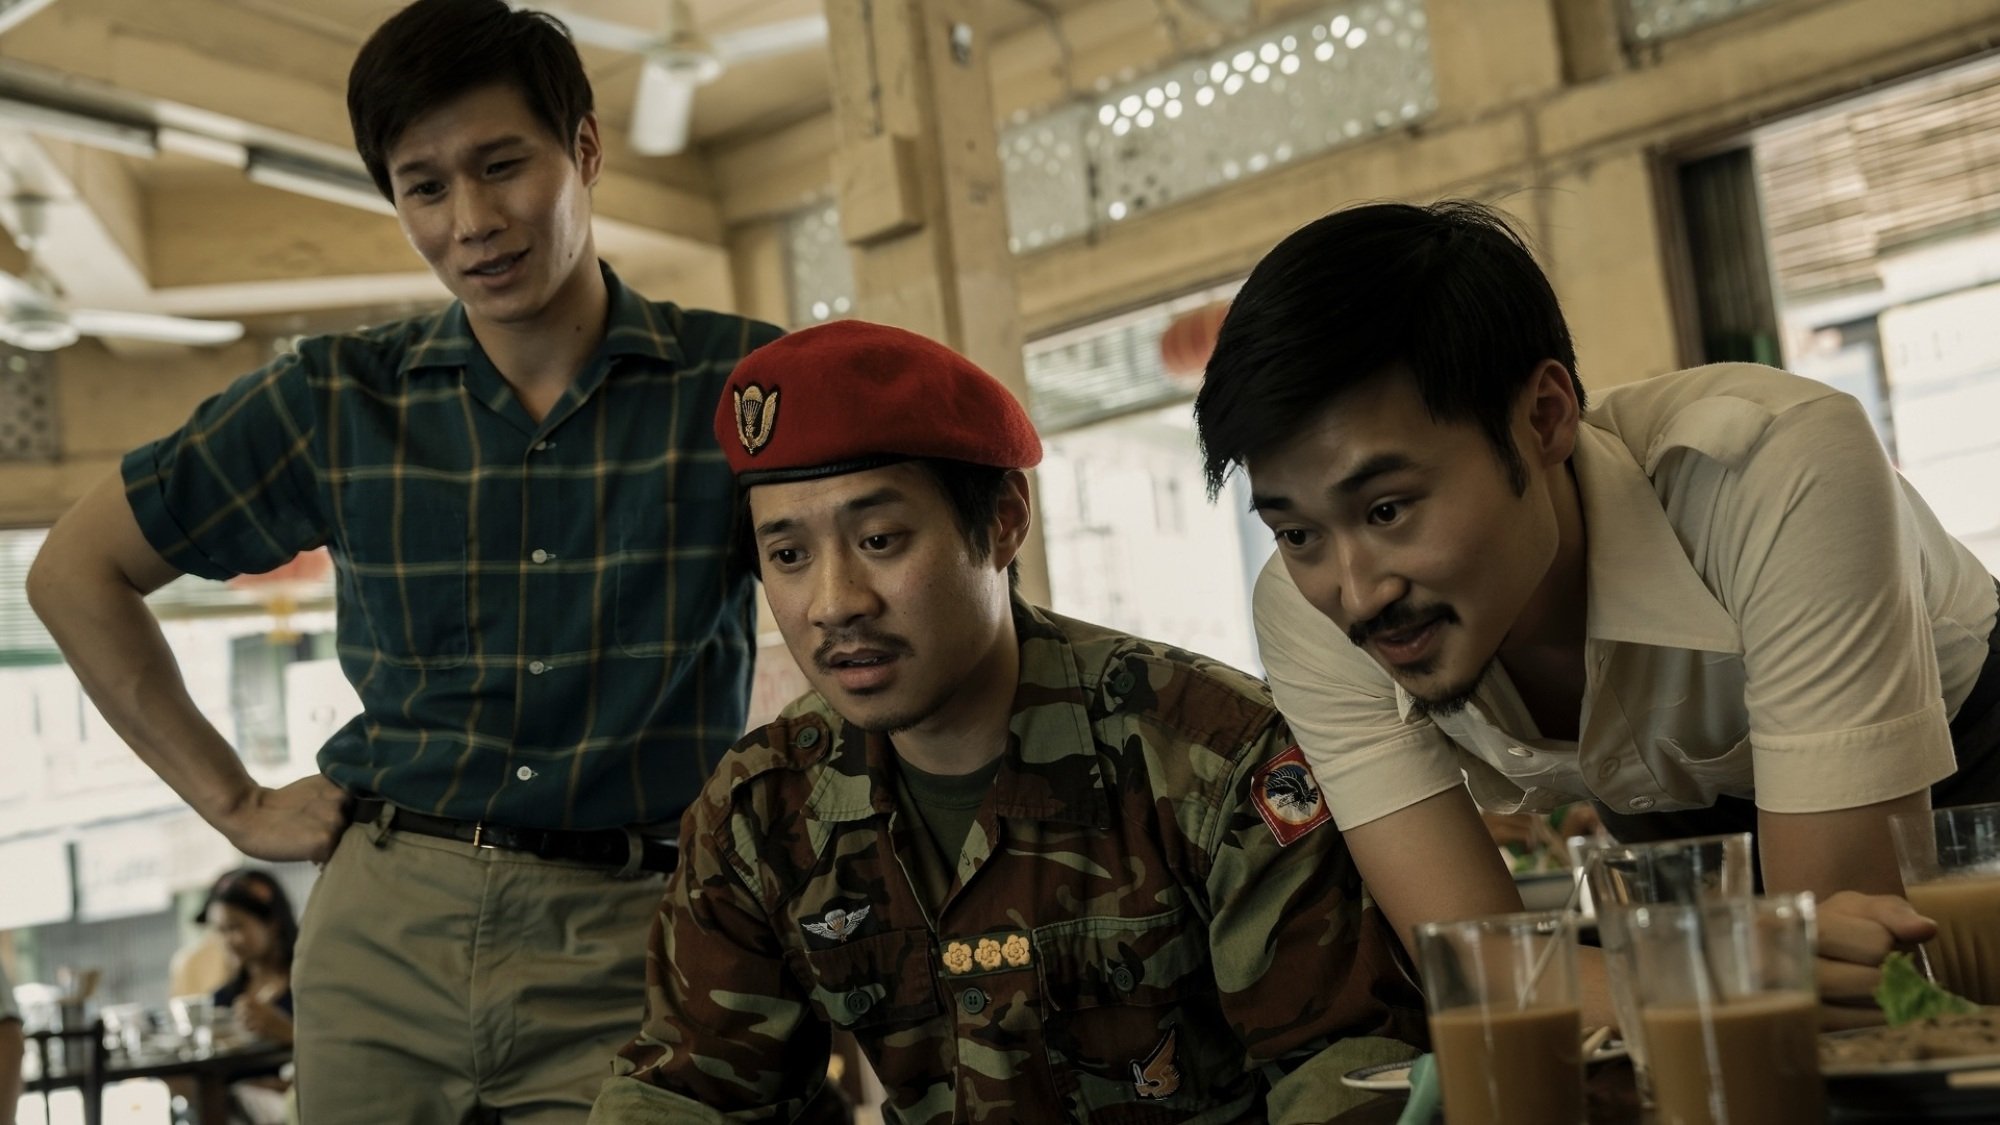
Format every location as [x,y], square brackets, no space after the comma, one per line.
[130,137]
[203,147]
[321,181]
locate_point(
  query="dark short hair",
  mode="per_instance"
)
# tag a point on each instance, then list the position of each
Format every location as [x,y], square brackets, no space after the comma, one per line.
[1447,294]
[437,50]
[260,895]
[973,492]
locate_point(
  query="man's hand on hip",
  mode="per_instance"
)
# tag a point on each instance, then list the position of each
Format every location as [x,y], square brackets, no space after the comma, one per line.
[302,820]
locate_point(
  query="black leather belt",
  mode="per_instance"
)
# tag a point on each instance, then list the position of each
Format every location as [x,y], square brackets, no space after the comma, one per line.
[605,847]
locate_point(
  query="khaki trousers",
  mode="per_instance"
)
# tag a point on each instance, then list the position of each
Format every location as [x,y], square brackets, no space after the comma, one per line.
[440,983]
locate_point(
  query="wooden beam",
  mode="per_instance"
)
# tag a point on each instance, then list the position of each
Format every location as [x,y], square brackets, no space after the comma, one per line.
[279,77]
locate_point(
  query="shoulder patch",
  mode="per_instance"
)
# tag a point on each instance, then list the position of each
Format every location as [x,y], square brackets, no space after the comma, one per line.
[1288,796]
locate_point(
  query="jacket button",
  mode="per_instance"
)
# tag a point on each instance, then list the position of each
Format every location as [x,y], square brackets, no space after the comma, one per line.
[973,1001]
[858,1002]
[1122,681]
[808,738]
[1641,804]
[1122,980]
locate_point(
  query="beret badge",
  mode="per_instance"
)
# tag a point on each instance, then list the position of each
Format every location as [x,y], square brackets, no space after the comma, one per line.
[756,414]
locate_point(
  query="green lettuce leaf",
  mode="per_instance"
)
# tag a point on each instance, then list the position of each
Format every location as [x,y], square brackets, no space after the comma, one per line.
[1905,995]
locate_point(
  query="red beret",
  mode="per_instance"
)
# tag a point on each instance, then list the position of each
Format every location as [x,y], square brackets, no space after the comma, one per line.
[850,395]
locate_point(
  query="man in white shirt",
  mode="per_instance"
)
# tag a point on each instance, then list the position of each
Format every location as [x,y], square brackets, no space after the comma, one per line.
[1712,589]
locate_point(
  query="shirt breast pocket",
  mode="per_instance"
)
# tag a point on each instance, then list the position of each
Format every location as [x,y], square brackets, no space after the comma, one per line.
[408,579]
[1135,1018]
[868,985]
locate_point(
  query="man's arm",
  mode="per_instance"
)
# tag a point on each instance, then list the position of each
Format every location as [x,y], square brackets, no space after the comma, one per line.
[88,586]
[728,1037]
[1847,860]
[1308,977]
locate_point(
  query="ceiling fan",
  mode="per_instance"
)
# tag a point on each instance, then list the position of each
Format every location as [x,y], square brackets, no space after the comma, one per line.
[33,315]
[679,59]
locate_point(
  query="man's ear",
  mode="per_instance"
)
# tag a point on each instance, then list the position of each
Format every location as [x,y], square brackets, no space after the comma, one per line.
[588,152]
[1011,519]
[1552,414]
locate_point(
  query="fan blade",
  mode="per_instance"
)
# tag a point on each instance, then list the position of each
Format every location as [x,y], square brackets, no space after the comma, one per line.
[152,326]
[17,292]
[595,32]
[660,117]
[780,38]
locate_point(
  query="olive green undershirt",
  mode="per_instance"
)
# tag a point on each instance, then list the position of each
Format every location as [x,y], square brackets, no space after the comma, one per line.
[940,810]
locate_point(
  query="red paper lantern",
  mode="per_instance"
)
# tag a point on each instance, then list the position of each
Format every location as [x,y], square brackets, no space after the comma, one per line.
[1189,340]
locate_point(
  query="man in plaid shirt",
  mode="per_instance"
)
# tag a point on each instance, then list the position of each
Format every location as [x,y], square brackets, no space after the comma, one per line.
[537,603]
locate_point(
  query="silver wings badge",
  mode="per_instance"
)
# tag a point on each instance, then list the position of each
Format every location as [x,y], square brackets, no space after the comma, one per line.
[839,925]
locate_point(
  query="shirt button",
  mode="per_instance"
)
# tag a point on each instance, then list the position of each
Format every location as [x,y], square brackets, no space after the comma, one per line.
[807,738]
[858,1002]
[973,1001]
[1121,979]
[536,667]
[1520,751]
[543,446]
[1606,770]
[1640,804]
[541,556]
[525,774]
[1122,681]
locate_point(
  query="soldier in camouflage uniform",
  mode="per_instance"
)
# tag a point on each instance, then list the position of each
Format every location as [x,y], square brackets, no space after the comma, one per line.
[1043,871]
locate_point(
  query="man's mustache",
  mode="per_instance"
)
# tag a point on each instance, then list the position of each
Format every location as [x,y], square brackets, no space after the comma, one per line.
[883,642]
[1398,617]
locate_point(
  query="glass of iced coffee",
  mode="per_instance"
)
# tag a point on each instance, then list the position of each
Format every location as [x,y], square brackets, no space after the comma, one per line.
[1505,1020]
[1951,872]
[1624,876]
[1729,1008]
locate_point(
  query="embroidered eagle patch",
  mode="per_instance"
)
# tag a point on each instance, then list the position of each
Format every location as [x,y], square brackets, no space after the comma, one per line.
[1288,797]
[756,414]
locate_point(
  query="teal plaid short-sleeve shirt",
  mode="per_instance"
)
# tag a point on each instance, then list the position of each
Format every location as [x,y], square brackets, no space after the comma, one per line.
[543,621]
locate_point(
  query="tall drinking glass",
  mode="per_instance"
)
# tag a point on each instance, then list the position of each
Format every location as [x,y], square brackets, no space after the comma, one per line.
[1624,876]
[1505,1019]
[1951,872]
[1731,1013]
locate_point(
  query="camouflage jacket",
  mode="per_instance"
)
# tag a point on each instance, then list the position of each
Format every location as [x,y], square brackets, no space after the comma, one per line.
[1153,918]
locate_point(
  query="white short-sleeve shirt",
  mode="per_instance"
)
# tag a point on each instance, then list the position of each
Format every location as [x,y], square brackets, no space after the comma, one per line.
[1772,613]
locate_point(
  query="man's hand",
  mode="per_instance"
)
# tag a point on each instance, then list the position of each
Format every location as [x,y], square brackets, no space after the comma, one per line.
[1856,932]
[303,820]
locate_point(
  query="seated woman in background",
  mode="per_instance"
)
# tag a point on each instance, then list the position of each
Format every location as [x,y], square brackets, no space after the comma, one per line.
[249,911]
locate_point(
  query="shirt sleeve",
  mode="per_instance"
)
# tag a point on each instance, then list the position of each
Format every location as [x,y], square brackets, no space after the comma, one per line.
[1824,574]
[728,1035]
[1304,965]
[1343,710]
[236,489]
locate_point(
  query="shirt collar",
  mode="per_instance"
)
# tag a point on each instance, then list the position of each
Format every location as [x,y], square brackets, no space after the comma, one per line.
[1643,589]
[1049,771]
[634,326]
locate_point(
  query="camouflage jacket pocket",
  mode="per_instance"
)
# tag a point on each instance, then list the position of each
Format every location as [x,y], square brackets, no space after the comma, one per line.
[1134,1019]
[870,983]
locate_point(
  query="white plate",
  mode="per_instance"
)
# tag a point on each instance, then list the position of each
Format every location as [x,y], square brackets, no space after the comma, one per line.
[1395,1076]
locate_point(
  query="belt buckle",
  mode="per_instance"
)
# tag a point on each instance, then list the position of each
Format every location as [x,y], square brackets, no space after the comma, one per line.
[478,836]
